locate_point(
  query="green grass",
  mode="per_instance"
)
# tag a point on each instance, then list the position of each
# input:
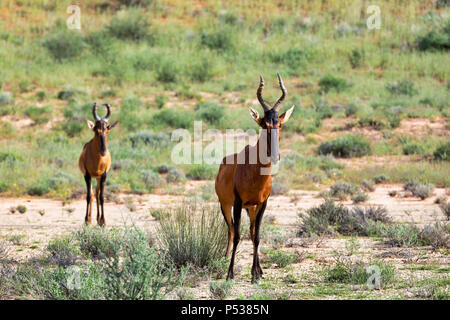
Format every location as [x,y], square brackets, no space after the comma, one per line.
[165,66]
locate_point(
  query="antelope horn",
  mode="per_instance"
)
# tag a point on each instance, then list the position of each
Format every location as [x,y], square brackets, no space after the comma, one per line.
[94,112]
[276,106]
[264,104]
[108,112]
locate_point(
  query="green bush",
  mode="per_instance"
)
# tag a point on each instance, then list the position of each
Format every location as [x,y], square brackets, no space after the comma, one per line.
[39,114]
[281,258]
[39,189]
[220,40]
[412,148]
[419,190]
[346,147]
[442,152]
[202,172]
[174,118]
[63,251]
[175,175]
[404,87]
[96,242]
[331,82]
[292,58]
[151,180]
[192,235]
[63,45]
[6,99]
[129,25]
[351,109]
[72,128]
[436,39]
[346,271]
[360,197]
[211,112]
[148,138]
[168,70]
[220,289]
[356,58]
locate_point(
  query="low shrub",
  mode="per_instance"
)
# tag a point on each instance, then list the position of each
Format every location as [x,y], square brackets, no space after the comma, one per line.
[63,45]
[419,190]
[175,175]
[192,235]
[342,190]
[151,180]
[360,197]
[404,87]
[220,40]
[346,147]
[281,258]
[412,148]
[380,179]
[442,152]
[39,114]
[175,119]
[151,139]
[202,172]
[6,99]
[331,82]
[220,289]
[346,271]
[367,185]
[129,25]
[63,251]
[211,112]
[436,39]
[96,242]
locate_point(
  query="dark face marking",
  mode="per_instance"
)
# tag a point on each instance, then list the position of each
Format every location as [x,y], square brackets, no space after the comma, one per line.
[272,125]
[101,129]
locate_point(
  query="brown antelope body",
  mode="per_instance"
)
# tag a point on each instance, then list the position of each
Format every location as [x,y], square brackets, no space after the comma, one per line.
[247,184]
[95,162]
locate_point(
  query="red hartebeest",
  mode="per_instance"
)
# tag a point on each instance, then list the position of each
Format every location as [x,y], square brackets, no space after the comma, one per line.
[247,184]
[95,161]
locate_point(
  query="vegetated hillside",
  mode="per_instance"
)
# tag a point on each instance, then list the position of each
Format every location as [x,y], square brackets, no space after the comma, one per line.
[164,64]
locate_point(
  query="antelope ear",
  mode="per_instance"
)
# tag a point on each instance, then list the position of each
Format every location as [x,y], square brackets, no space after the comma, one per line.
[255,115]
[110,126]
[90,124]
[285,116]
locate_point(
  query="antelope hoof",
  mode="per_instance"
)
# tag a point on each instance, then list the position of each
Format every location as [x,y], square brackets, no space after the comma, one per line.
[101,223]
[87,221]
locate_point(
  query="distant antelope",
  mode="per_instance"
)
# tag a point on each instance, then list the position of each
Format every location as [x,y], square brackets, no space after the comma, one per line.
[95,161]
[242,185]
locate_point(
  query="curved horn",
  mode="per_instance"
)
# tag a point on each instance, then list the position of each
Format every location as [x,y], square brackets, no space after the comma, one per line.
[94,112]
[108,112]
[264,104]
[276,106]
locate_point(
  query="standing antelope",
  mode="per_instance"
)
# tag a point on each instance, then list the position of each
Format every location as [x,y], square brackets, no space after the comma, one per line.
[95,161]
[247,184]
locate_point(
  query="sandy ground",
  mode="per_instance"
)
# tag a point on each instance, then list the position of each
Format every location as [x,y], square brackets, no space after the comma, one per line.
[45,218]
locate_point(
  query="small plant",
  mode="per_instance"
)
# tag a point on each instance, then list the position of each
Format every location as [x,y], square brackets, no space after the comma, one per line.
[97,243]
[380,179]
[346,147]
[159,214]
[62,251]
[39,114]
[22,209]
[6,99]
[151,179]
[331,82]
[351,109]
[367,185]
[442,152]
[279,188]
[419,190]
[192,235]
[220,289]
[436,235]
[210,112]
[412,148]
[160,101]
[202,172]
[281,258]
[17,239]
[64,45]
[220,40]
[342,190]
[404,87]
[356,58]
[445,208]
[129,25]
[175,175]
[360,197]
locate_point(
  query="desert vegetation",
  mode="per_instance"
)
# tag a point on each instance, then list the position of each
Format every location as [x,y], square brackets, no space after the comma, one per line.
[363,180]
